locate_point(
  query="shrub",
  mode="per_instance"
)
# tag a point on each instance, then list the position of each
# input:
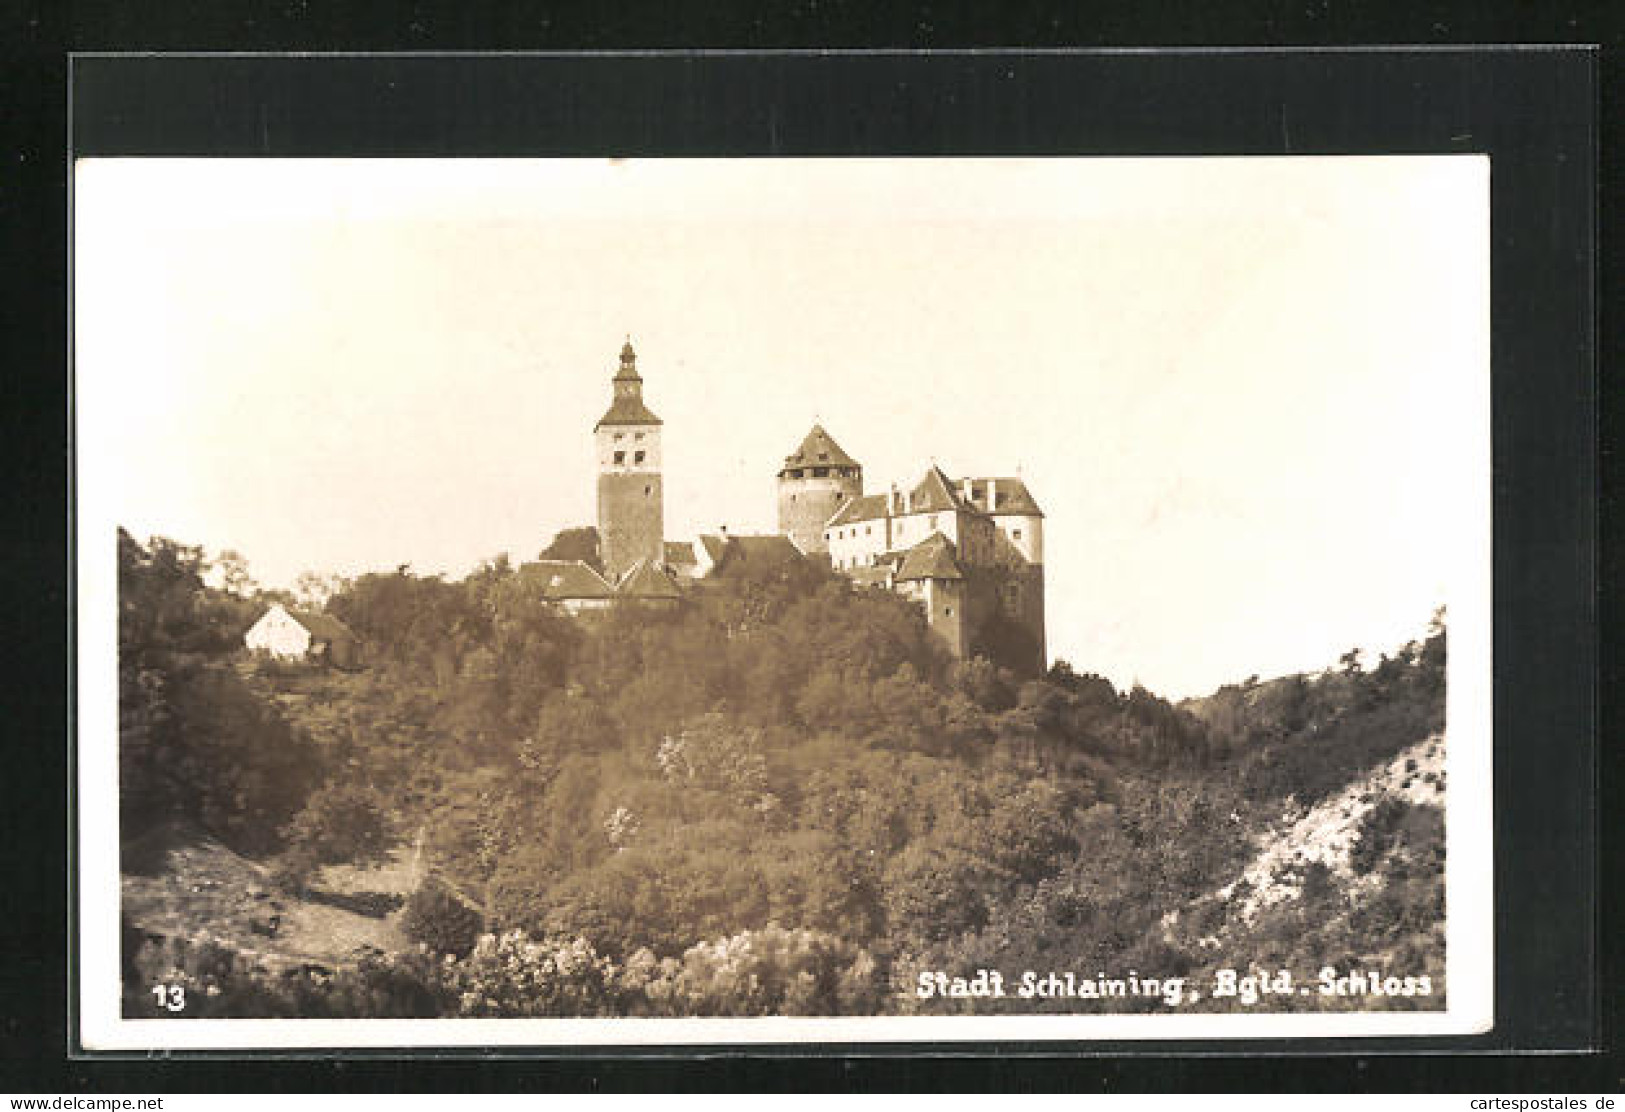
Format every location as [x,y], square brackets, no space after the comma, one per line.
[440,919]
[771,971]
[512,975]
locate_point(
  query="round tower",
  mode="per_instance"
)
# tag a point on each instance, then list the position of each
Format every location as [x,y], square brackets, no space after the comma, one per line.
[817,479]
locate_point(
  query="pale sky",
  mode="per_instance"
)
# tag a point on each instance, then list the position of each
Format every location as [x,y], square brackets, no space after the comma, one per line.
[1251,395]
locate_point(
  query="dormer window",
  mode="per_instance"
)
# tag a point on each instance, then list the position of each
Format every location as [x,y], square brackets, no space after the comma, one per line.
[823,455]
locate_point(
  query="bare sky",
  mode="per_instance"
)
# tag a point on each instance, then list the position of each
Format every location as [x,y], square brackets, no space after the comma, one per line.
[1249,394]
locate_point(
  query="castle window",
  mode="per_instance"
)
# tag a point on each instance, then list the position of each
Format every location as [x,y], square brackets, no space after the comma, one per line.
[947,611]
[820,472]
[648,490]
[823,455]
[620,457]
[637,457]
[868,530]
[933,521]
[637,436]
[620,436]
[794,473]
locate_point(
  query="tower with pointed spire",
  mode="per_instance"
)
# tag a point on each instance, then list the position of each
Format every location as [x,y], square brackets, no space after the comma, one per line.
[631,496]
[817,479]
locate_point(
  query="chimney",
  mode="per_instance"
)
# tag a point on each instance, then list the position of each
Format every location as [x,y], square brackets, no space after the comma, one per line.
[723,529]
[992,496]
[965,487]
[892,507]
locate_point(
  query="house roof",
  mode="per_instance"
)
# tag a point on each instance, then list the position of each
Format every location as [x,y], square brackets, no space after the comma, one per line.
[932,558]
[935,493]
[646,580]
[566,579]
[324,627]
[867,507]
[768,549]
[818,449]
[627,411]
[680,554]
[1011,494]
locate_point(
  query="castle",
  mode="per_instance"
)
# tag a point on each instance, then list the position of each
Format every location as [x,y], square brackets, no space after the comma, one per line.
[970,551]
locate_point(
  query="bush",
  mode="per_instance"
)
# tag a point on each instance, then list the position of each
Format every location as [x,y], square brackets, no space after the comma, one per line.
[771,971]
[440,919]
[514,976]
[342,822]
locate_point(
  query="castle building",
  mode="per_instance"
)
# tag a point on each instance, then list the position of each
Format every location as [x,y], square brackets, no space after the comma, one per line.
[631,495]
[817,479]
[970,551]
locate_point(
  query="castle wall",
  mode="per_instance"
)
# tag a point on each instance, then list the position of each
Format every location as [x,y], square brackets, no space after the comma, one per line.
[857,544]
[1021,538]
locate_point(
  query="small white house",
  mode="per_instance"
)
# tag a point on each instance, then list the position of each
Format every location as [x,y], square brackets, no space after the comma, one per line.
[301,635]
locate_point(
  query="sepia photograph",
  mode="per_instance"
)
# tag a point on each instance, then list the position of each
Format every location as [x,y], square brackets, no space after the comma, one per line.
[593,601]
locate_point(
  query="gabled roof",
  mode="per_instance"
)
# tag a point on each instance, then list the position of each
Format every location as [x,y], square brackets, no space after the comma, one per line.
[323,627]
[818,449]
[932,558]
[868,507]
[935,493]
[1011,494]
[680,554]
[627,411]
[770,548]
[646,580]
[566,579]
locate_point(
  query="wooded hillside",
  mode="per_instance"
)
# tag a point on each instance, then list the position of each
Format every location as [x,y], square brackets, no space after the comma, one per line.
[781,798]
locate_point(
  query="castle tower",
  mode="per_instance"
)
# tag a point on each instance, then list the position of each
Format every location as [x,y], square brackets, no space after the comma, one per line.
[817,479]
[631,497]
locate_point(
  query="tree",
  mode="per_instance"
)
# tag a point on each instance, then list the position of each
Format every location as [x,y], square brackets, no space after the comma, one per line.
[578,543]
[232,571]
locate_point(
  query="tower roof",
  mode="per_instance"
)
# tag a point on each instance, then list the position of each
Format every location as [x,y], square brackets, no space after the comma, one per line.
[627,407]
[629,361]
[627,411]
[818,449]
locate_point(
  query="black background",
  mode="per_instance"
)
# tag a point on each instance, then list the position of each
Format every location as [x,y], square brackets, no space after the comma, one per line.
[1534,111]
